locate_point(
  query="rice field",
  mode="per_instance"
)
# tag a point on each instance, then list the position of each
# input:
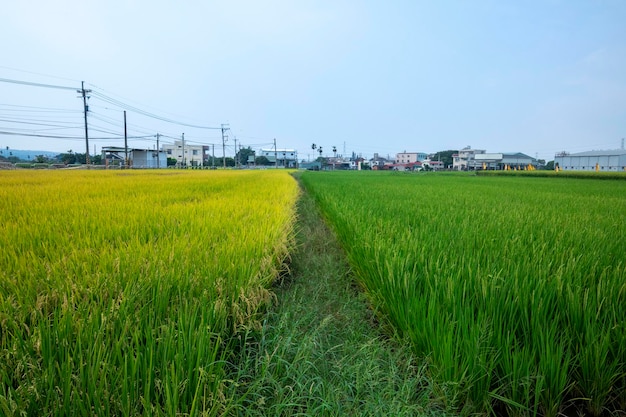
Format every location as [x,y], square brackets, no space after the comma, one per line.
[124,293]
[513,289]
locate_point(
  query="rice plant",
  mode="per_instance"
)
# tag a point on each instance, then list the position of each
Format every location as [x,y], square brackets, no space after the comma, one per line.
[513,289]
[122,293]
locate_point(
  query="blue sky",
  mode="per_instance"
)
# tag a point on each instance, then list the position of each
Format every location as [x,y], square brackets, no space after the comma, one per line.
[537,77]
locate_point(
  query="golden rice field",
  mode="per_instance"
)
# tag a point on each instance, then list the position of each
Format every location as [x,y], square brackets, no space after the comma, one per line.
[121,293]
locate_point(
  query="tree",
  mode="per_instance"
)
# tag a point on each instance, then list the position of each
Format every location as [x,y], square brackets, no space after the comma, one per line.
[67,158]
[171,162]
[262,160]
[550,165]
[40,159]
[81,158]
[445,157]
[230,162]
[96,159]
[243,154]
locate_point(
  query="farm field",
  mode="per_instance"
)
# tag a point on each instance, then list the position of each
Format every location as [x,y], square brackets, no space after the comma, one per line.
[512,289]
[124,293]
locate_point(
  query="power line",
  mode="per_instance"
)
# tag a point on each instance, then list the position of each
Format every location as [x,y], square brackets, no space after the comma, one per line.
[118,103]
[32,84]
[34,123]
[70,137]
[18,108]
[48,117]
[38,73]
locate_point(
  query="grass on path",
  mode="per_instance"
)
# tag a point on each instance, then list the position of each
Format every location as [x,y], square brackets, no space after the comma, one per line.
[318,352]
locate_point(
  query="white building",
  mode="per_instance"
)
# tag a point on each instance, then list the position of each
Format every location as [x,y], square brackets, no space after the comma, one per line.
[114,156]
[465,159]
[606,161]
[378,162]
[286,157]
[186,154]
[515,160]
[410,157]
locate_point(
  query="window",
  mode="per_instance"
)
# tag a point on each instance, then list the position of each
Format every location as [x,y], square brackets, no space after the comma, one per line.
[195,152]
[169,151]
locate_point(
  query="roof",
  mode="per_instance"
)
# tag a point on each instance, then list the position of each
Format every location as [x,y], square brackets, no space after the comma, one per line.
[613,152]
[122,149]
[281,150]
[515,155]
[488,156]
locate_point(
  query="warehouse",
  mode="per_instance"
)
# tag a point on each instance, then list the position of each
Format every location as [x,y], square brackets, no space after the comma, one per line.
[114,156]
[602,161]
[287,158]
[515,160]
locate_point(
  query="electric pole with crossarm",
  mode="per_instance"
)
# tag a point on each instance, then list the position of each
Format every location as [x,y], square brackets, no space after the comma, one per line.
[84,92]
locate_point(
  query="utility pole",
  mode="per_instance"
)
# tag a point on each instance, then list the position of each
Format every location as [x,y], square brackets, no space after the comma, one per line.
[236,158]
[184,162]
[275,155]
[213,157]
[84,92]
[224,140]
[125,143]
[158,153]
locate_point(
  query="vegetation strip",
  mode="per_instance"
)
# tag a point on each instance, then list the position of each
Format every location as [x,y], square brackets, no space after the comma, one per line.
[319,352]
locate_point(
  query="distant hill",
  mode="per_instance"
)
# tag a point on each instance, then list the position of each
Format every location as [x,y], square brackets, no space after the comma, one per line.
[26,154]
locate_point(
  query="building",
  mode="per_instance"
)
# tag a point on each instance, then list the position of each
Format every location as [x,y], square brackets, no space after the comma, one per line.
[410,157]
[114,156]
[287,158]
[186,154]
[465,159]
[603,161]
[380,163]
[496,161]
[429,164]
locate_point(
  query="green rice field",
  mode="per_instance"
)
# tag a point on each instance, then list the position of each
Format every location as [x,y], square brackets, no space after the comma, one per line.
[513,289]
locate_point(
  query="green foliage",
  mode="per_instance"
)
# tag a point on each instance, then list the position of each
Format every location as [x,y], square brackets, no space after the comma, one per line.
[262,161]
[243,154]
[445,157]
[67,158]
[512,288]
[230,162]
